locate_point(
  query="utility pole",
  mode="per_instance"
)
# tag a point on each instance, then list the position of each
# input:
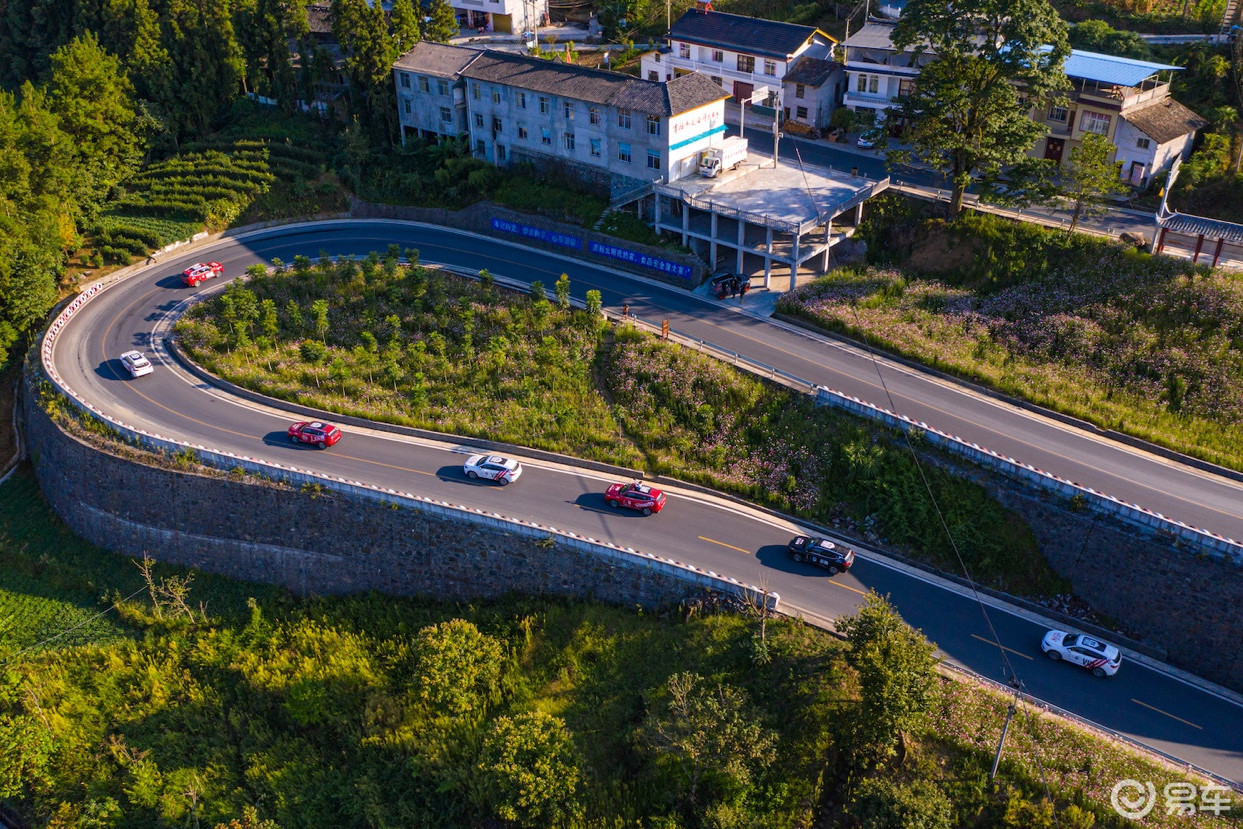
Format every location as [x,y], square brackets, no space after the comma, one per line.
[776,138]
[1002,742]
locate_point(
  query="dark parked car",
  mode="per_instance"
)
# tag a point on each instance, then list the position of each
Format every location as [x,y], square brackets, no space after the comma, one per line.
[723,284]
[834,557]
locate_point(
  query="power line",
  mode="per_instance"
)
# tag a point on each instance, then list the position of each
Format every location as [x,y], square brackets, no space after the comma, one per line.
[67,631]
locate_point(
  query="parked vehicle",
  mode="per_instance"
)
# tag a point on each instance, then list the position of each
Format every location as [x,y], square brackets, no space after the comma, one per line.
[492,468]
[136,364]
[724,156]
[637,496]
[1099,658]
[315,433]
[723,284]
[834,557]
[200,272]
[870,138]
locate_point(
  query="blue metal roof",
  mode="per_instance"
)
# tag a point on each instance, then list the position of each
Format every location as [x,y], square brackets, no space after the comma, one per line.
[1109,69]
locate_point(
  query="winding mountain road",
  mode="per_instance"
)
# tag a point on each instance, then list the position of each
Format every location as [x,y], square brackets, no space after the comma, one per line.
[1143,702]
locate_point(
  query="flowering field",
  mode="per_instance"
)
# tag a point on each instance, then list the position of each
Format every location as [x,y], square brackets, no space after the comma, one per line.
[427,349]
[1151,347]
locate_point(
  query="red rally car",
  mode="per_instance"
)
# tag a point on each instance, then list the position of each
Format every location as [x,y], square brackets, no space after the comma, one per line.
[201,272]
[315,433]
[638,496]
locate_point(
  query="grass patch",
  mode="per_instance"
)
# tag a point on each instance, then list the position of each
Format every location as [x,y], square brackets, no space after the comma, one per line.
[1151,346]
[339,711]
[427,349]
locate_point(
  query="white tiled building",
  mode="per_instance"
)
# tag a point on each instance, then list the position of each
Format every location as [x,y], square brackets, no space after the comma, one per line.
[600,124]
[747,57]
[1127,101]
[507,16]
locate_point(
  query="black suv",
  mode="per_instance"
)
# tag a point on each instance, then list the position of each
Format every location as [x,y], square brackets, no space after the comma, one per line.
[836,558]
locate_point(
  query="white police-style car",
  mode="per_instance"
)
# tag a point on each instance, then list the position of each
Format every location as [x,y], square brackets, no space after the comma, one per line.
[492,468]
[1076,648]
[136,364]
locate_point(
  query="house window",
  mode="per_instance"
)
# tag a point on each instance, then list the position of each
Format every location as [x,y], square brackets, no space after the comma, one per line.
[521,100]
[424,86]
[861,83]
[496,95]
[544,106]
[479,148]
[653,160]
[497,126]
[475,91]
[522,133]
[653,125]
[405,80]
[1094,122]
[800,112]
[906,88]
[1057,114]
[595,148]
[500,152]
[684,51]
[799,90]
[623,118]
[568,109]
[446,114]
[1142,143]
[746,63]
[770,68]
[653,75]
[873,84]
[593,115]
[623,152]
[718,56]
[569,141]
[406,102]
[545,136]
[479,120]
[442,87]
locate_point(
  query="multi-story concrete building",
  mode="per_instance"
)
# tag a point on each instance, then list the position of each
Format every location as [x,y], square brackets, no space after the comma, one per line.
[1127,101]
[508,16]
[746,56]
[613,129]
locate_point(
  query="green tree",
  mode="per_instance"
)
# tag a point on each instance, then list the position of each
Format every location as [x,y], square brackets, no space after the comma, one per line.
[293,313]
[897,675]
[406,30]
[562,289]
[362,31]
[1099,36]
[319,313]
[456,667]
[1090,177]
[967,118]
[878,803]
[440,23]
[93,100]
[704,732]
[530,771]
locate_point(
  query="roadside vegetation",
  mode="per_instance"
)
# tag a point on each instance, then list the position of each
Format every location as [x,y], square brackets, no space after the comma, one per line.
[1149,346]
[188,699]
[424,348]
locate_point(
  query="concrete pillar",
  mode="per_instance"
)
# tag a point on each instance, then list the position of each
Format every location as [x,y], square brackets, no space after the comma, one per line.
[686,224]
[712,244]
[1195,257]
[742,240]
[656,211]
[828,235]
[798,235]
[768,255]
[858,213]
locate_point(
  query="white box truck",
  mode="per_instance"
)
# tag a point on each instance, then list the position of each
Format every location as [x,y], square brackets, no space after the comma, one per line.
[724,156]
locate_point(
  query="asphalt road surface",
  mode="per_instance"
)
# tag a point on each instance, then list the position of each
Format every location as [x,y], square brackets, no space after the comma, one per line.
[1144,703]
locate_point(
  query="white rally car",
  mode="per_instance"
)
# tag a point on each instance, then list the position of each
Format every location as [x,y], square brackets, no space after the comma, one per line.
[492,468]
[1098,657]
[136,364]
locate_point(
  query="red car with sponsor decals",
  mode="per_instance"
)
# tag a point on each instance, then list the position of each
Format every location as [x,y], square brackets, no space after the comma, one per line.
[201,272]
[637,496]
[315,433]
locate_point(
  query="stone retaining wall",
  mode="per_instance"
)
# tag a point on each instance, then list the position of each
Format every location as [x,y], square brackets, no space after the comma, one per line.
[328,541]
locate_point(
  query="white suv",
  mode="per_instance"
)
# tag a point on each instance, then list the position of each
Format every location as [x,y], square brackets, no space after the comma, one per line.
[1099,658]
[492,468]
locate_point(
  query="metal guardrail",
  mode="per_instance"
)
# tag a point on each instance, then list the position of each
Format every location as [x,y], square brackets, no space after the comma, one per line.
[228,461]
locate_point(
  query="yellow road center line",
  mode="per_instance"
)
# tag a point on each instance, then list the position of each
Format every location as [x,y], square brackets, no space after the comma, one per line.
[723,544]
[1003,647]
[848,587]
[1167,713]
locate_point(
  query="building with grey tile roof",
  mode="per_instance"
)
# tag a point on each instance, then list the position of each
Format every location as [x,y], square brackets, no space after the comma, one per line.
[602,124]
